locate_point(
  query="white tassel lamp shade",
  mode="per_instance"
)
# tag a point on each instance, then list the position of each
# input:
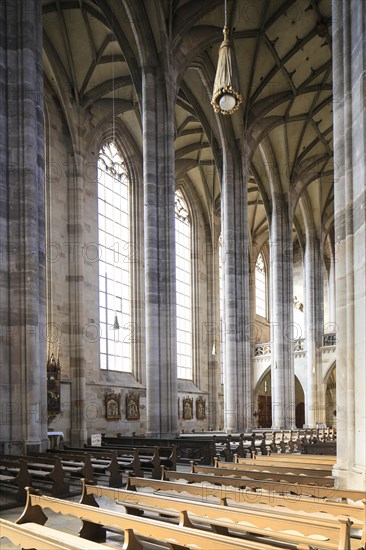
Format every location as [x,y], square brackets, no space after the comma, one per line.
[226,97]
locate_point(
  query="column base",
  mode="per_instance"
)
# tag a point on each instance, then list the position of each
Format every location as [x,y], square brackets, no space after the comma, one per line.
[162,435]
[78,437]
[353,478]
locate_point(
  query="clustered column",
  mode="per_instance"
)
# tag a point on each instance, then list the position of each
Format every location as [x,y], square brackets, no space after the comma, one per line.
[159,236]
[76,281]
[349,70]
[282,334]
[314,405]
[237,374]
[22,219]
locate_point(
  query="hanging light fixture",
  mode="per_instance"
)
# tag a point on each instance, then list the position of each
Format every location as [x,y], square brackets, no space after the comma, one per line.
[226,97]
[116,323]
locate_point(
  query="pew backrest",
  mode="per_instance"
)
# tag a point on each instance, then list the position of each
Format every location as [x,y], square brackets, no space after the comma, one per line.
[133,526]
[271,476]
[33,535]
[280,522]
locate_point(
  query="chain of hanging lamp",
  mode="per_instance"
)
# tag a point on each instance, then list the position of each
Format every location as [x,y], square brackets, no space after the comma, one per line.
[226,97]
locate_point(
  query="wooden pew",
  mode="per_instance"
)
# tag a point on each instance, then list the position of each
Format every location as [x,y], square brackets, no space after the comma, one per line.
[46,470]
[133,459]
[272,476]
[96,521]
[306,459]
[316,491]
[265,499]
[282,467]
[125,460]
[14,474]
[140,458]
[89,465]
[79,466]
[221,520]
[33,535]
[270,461]
[151,458]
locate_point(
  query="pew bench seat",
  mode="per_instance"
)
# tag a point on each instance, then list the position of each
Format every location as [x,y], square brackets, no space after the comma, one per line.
[33,535]
[235,472]
[15,475]
[97,520]
[45,470]
[282,526]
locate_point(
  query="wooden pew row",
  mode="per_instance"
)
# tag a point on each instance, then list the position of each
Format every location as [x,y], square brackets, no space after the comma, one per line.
[88,465]
[267,442]
[73,466]
[43,469]
[14,474]
[269,461]
[167,456]
[135,460]
[33,535]
[306,459]
[251,499]
[270,476]
[125,460]
[316,491]
[178,537]
[140,458]
[222,519]
[282,467]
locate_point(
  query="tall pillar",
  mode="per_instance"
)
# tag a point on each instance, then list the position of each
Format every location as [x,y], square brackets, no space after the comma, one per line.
[331,293]
[314,405]
[22,221]
[159,241]
[282,334]
[76,280]
[349,113]
[238,407]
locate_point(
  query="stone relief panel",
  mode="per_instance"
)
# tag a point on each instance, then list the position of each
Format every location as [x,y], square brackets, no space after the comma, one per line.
[200,408]
[132,406]
[187,408]
[112,406]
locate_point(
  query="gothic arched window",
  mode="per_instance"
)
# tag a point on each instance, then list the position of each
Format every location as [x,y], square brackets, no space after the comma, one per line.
[260,287]
[184,287]
[114,262]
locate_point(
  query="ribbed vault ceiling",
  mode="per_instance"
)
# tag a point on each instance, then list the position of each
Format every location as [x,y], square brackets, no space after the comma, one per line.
[283,50]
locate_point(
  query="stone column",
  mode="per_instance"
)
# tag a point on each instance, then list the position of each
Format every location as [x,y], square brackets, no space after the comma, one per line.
[331,293]
[212,335]
[313,278]
[159,242]
[237,369]
[255,328]
[349,113]
[282,333]
[77,302]
[22,222]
